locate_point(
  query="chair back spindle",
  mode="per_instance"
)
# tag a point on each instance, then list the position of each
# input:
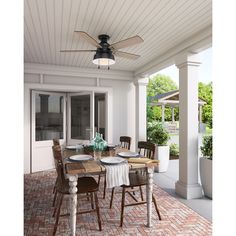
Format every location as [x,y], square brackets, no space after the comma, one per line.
[125,142]
[147,149]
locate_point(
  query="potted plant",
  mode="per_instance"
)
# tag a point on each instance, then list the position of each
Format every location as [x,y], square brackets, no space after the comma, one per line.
[174,151]
[158,134]
[206,166]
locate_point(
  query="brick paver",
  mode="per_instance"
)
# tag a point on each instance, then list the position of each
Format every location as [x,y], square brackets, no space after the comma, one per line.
[177,218]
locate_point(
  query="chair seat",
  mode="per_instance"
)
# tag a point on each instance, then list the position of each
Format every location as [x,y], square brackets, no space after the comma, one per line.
[86,184]
[136,179]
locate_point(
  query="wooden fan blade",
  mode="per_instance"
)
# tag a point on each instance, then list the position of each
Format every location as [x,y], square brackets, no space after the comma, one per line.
[77,50]
[88,38]
[127,42]
[126,55]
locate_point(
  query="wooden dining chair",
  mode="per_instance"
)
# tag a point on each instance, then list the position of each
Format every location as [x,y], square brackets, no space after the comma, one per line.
[125,142]
[86,185]
[146,149]
[137,179]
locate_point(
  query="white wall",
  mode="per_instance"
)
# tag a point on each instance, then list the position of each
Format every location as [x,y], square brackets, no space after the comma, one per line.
[121,94]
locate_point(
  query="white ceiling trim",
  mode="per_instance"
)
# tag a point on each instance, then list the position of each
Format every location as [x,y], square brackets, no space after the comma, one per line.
[33,68]
[195,44]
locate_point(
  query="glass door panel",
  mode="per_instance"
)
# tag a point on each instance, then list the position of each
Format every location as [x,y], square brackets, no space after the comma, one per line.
[48,116]
[80,117]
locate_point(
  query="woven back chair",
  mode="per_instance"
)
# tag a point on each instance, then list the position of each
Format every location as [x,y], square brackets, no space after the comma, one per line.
[125,142]
[146,149]
[56,142]
[57,153]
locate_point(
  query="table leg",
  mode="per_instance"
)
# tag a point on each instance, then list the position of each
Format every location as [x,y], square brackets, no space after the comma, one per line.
[73,202]
[149,195]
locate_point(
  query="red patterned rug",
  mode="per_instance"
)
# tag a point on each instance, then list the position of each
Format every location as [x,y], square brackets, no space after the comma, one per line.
[177,218]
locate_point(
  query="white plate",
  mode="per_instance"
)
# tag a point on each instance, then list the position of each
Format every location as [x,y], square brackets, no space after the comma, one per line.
[80,158]
[71,147]
[128,154]
[111,160]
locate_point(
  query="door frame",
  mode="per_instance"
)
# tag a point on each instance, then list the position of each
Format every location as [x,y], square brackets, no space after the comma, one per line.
[60,88]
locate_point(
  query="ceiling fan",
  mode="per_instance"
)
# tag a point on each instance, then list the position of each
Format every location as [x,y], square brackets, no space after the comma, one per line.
[105,52]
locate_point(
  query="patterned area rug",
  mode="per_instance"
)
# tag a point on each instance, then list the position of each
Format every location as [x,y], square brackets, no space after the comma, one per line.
[177,218]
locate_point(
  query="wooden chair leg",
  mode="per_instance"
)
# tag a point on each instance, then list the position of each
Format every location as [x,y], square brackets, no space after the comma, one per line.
[104,190]
[122,207]
[155,204]
[98,213]
[99,178]
[58,213]
[92,205]
[141,192]
[54,198]
[112,195]
[57,200]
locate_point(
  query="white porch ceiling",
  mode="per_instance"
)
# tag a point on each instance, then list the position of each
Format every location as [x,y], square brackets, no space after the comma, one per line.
[49,26]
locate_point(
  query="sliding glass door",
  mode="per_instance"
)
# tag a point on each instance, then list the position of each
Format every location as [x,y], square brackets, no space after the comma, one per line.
[80,117]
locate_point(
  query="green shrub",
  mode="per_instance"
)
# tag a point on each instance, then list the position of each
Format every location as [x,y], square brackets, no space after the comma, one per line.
[157,133]
[174,149]
[206,149]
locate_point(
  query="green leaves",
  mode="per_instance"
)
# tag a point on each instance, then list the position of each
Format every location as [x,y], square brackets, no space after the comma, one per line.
[157,133]
[205,92]
[160,84]
[207,146]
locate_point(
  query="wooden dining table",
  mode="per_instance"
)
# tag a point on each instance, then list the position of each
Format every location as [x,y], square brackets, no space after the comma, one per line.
[94,167]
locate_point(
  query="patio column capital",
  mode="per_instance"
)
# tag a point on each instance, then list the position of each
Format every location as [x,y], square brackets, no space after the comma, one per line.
[187,59]
[141,81]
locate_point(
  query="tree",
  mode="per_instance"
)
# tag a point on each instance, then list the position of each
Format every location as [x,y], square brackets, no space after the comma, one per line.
[205,92]
[157,85]
[160,84]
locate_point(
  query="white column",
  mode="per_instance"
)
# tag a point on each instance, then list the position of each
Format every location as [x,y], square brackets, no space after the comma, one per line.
[141,109]
[187,186]
[200,114]
[173,114]
[163,113]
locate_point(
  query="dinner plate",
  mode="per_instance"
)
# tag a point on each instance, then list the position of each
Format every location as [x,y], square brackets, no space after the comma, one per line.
[128,154]
[80,158]
[71,147]
[112,160]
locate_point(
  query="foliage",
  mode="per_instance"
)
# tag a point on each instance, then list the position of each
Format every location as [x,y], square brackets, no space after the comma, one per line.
[160,84]
[157,133]
[207,146]
[157,85]
[205,92]
[174,149]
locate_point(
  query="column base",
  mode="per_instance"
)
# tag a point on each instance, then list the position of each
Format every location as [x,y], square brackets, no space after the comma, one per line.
[188,191]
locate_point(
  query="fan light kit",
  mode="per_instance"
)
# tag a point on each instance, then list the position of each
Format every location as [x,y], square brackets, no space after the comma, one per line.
[105,52]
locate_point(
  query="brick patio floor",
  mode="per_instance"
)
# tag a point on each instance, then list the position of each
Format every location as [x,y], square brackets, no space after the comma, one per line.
[177,218]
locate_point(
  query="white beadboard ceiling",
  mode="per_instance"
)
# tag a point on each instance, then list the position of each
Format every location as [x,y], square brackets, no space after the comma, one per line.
[49,26]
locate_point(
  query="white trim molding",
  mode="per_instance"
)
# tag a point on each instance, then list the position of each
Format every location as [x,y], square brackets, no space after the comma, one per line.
[42,69]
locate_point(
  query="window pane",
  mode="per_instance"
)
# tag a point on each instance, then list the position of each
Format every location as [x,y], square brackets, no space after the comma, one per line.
[80,117]
[49,116]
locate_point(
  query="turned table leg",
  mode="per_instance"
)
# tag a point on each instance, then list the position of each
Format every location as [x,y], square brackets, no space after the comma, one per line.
[149,189]
[73,202]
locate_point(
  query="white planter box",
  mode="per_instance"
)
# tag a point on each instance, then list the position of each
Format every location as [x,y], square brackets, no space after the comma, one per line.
[206,176]
[162,153]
